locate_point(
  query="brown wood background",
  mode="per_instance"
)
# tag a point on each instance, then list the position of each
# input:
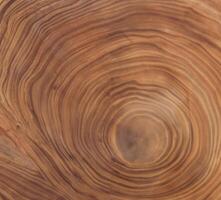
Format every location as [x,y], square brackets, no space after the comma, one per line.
[110,99]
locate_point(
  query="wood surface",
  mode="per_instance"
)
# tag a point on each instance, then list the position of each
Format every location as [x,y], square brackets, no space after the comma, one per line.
[110,99]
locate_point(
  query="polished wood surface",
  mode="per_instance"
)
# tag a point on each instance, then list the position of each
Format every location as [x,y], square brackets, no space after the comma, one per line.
[110,99]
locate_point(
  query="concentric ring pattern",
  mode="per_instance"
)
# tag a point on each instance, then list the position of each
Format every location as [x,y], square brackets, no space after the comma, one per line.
[110,99]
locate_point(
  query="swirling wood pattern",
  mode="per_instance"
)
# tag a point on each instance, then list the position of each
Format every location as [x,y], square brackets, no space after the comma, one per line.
[110,99]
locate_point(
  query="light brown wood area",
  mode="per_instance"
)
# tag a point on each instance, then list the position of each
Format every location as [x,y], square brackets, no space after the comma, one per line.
[110,99]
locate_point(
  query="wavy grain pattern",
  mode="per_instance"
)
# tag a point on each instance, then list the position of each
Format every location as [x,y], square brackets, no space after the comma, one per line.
[110,100]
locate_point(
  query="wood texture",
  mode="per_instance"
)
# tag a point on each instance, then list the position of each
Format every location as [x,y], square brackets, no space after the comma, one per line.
[110,99]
